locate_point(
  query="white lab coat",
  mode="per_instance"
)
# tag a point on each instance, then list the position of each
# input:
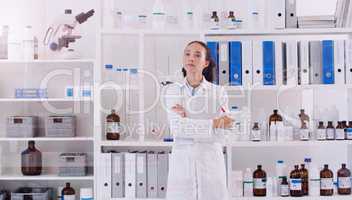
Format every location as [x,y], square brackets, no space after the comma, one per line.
[197,166]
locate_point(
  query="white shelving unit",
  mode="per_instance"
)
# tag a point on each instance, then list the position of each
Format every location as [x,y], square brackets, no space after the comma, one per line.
[160,52]
[32,73]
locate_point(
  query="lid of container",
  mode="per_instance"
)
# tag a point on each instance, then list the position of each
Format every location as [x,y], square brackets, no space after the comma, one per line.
[307,160]
[280,161]
[86,192]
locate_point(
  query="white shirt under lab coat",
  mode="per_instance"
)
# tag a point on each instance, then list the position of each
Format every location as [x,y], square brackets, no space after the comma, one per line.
[197,166]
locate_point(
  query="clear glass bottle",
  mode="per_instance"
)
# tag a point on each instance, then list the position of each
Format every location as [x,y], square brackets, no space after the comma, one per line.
[296,183]
[256,133]
[305,179]
[326,182]
[284,188]
[68,193]
[344,181]
[214,21]
[31,160]
[321,131]
[113,126]
[304,132]
[248,183]
[259,180]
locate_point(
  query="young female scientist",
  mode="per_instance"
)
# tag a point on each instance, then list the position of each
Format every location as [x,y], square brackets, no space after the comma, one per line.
[196,108]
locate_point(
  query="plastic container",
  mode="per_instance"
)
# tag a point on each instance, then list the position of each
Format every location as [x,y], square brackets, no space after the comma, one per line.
[28,43]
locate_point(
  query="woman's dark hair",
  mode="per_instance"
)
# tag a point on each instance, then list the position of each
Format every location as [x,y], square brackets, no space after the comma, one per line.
[209,71]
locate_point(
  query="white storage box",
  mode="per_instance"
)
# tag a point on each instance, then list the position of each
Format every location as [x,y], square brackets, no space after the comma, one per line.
[73,164]
[60,126]
[22,126]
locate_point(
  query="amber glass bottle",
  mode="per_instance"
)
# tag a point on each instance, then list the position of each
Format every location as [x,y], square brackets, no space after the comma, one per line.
[330,131]
[68,193]
[321,131]
[259,179]
[275,117]
[326,182]
[296,183]
[344,181]
[31,160]
[113,126]
[305,178]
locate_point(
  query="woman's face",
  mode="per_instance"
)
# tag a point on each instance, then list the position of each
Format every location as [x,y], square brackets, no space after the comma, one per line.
[194,59]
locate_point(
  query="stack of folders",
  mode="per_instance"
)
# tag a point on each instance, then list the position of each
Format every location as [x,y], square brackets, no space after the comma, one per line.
[275,63]
[133,175]
[323,21]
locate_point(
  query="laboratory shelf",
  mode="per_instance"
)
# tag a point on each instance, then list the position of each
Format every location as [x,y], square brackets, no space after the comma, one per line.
[296,31]
[136,143]
[147,32]
[15,177]
[317,31]
[48,139]
[73,61]
[231,144]
[289,143]
[335,197]
[44,99]
[285,87]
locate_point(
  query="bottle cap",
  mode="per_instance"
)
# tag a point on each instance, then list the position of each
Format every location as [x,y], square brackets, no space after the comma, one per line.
[86,193]
[280,161]
[326,166]
[307,160]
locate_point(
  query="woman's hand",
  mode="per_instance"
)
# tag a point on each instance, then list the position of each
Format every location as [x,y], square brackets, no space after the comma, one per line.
[223,122]
[179,110]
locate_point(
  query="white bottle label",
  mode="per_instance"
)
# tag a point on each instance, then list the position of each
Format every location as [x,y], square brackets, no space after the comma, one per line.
[256,135]
[344,182]
[296,184]
[112,127]
[284,190]
[326,183]
[321,134]
[69,197]
[259,183]
[304,134]
[340,134]
[330,134]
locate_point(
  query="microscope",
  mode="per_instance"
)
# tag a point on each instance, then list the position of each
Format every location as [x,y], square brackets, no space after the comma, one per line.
[59,37]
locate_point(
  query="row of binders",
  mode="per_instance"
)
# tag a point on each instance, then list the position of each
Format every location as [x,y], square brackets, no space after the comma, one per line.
[133,175]
[257,63]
